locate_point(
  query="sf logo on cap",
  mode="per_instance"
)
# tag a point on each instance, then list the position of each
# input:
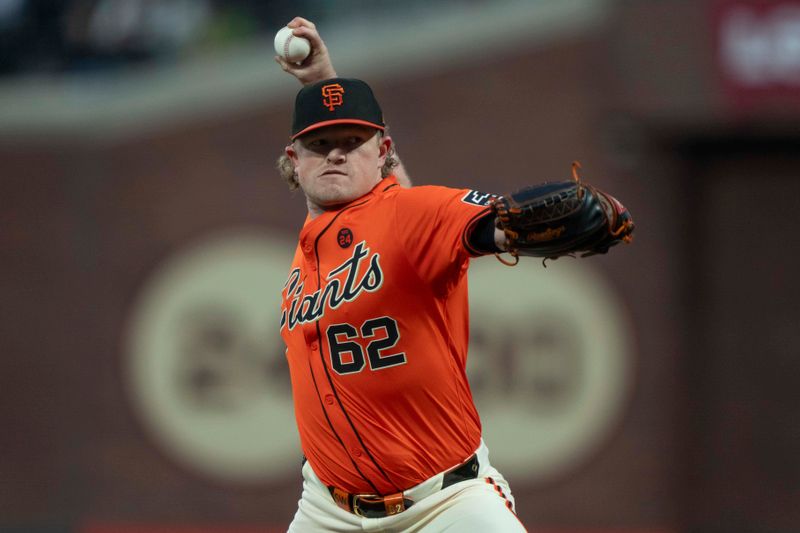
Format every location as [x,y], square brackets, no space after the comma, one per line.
[332,95]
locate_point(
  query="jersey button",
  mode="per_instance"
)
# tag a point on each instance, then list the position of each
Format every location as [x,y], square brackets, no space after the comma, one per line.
[314,346]
[307,248]
[329,399]
[356,452]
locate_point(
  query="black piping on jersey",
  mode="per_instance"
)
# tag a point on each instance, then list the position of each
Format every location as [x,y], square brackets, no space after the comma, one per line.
[322,406]
[328,374]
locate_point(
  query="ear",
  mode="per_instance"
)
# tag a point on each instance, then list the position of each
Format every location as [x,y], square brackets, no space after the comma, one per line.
[384,146]
[291,153]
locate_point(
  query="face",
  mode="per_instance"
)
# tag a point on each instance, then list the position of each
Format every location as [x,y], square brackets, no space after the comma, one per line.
[338,164]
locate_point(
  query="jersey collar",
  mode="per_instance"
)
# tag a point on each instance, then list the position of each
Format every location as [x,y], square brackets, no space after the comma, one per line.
[312,225]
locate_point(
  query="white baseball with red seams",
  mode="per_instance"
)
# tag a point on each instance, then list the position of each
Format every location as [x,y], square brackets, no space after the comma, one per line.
[290,47]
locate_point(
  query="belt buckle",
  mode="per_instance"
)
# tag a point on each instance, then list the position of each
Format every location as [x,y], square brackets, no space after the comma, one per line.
[356,510]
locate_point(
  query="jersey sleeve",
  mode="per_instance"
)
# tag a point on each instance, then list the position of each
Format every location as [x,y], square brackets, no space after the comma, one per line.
[434,224]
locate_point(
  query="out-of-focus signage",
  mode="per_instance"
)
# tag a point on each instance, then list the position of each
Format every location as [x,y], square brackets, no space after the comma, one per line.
[553,367]
[205,368]
[757,51]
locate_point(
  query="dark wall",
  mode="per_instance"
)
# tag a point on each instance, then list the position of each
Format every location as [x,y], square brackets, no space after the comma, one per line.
[742,364]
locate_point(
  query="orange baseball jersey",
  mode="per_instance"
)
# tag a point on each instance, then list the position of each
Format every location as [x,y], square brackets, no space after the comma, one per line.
[376,324]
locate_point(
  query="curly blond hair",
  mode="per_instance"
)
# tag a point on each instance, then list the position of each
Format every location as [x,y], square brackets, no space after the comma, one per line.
[286,170]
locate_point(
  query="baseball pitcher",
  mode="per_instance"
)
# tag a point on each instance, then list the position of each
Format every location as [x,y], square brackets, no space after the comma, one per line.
[375,315]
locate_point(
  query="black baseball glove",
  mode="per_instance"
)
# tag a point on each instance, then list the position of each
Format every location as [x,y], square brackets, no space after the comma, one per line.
[562,218]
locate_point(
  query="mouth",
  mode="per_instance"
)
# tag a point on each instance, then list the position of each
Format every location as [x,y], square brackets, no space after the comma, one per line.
[334,172]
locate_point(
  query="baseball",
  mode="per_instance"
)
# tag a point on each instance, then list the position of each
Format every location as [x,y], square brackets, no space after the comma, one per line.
[290,47]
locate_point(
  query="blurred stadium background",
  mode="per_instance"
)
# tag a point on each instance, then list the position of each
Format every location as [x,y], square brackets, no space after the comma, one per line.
[145,237]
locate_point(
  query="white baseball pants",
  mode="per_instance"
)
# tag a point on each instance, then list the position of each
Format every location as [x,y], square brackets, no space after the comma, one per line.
[473,506]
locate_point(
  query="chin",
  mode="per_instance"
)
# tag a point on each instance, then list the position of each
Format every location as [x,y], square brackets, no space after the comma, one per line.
[333,196]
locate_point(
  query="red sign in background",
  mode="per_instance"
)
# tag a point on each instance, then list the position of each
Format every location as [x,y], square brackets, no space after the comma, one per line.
[757,52]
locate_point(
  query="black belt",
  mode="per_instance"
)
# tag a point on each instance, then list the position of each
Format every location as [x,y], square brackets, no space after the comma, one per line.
[381,506]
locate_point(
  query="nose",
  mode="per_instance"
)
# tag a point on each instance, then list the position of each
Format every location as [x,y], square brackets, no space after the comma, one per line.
[337,155]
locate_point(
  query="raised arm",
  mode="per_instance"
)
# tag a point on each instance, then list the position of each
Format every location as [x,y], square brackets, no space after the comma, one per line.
[317,66]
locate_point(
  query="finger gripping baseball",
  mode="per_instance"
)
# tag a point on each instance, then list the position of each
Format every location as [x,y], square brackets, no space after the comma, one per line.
[561,218]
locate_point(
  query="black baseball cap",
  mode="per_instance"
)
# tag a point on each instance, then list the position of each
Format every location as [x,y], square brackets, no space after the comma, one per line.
[335,101]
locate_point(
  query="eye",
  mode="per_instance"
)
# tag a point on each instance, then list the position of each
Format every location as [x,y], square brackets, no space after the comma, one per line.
[317,143]
[353,141]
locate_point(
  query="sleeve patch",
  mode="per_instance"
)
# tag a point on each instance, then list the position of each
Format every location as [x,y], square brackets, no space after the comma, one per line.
[478,198]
